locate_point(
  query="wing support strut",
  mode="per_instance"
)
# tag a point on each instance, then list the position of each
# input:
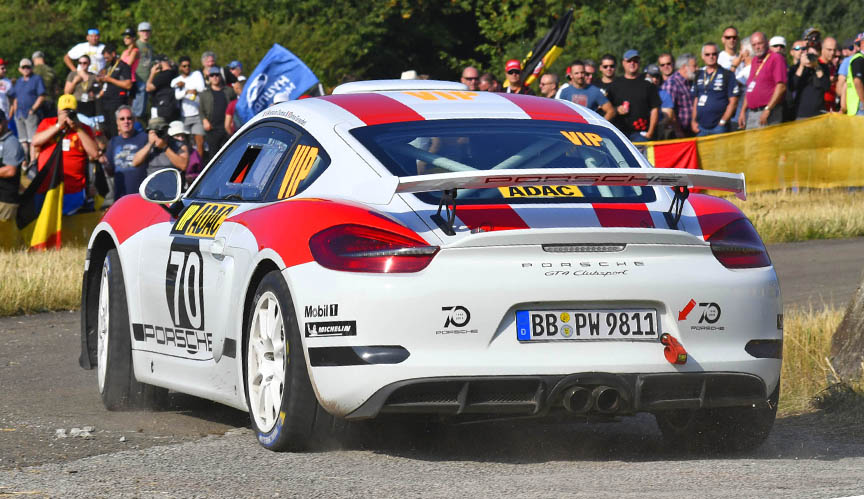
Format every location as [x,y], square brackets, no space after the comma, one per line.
[448,201]
[673,216]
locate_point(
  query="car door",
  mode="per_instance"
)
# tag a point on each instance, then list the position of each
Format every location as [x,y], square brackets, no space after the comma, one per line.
[190,271]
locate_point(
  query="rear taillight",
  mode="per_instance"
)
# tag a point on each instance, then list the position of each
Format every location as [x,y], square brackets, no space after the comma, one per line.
[354,248]
[738,246]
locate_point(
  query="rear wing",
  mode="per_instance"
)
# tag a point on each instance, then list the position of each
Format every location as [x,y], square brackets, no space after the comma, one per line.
[680,180]
[665,177]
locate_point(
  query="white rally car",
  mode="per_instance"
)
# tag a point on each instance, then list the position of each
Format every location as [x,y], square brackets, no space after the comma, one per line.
[412,247]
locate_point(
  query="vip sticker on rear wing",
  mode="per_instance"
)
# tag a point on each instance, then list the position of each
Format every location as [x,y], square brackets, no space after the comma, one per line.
[680,180]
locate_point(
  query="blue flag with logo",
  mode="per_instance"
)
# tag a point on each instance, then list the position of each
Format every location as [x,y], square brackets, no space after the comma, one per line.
[279,71]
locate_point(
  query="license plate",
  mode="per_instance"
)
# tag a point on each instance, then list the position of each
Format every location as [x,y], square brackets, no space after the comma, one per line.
[545,325]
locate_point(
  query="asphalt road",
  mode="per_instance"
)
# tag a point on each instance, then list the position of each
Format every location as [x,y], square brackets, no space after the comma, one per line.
[195,448]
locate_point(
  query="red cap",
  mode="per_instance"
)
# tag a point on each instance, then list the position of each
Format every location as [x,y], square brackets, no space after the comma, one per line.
[513,64]
[2,61]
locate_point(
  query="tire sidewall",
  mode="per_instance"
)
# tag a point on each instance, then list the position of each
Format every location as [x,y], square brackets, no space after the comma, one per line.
[117,388]
[291,430]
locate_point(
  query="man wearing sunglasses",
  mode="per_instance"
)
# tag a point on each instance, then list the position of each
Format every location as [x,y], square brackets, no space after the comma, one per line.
[715,95]
[120,152]
[28,92]
[514,78]
[729,58]
[116,81]
[580,92]
[608,65]
[471,78]
[187,86]
[636,101]
[91,48]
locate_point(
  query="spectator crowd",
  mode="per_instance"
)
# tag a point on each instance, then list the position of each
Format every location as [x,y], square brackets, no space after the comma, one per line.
[735,84]
[124,111]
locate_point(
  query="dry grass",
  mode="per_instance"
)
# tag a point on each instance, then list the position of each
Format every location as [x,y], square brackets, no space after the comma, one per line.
[40,281]
[807,379]
[802,216]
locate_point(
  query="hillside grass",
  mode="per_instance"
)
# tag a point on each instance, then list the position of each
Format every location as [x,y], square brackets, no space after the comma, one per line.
[40,281]
[788,216]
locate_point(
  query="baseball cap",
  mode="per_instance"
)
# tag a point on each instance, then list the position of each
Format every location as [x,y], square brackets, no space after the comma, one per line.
[409,75]
[128,32]
[809,31]
[858,39]
[235,64]
[25,62]
[67,101]
[92,31]
[157,123]
[176,128]
[145,26]
[2,61]
[513,64]
[630,54]
[776,40]
[653,70]
[213,70]
[38,54]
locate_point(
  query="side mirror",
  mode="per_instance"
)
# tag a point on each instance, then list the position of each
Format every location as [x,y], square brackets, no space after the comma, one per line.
[162,186]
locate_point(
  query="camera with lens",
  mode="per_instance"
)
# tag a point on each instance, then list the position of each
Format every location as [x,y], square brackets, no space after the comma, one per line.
[162,132]
[72,114]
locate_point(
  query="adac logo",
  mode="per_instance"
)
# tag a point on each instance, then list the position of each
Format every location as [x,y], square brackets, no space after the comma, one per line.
[457,316]
[202,219]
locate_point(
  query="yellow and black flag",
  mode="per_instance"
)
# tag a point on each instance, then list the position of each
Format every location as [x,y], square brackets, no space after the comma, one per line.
[40,213]
[546,50]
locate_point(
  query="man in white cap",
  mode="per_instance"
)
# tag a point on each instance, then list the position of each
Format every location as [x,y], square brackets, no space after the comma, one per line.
[142,72]
[91,48]
[778,44]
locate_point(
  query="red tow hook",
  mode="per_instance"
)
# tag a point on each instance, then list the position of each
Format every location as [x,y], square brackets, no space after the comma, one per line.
[674,351]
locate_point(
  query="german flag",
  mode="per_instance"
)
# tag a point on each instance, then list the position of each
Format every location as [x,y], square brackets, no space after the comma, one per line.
[546,50]
[40,212]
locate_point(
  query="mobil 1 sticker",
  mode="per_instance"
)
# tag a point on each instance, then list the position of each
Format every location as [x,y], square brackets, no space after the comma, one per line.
[574,325]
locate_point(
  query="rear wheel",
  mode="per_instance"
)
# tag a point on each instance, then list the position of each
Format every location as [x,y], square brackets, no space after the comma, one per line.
[284,410]
[115,377]
[727,429]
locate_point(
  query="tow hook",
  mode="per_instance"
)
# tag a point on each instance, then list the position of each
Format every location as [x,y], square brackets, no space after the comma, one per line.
[674,351]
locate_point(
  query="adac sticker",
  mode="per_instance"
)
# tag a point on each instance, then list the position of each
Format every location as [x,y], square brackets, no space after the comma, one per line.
[202,219]
[541,191]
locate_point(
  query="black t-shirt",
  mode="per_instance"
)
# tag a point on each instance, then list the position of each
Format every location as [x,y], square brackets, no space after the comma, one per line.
[603,86]
[220,105]
[856,68]
[642,96]
[810,91]
[114,95]
[163,95]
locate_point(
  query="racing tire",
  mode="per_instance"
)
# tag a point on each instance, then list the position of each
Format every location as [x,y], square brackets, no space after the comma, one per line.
[718,430]
[284,410]
[114,372]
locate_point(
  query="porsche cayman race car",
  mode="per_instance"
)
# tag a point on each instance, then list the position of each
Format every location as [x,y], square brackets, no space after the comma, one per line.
[410,247]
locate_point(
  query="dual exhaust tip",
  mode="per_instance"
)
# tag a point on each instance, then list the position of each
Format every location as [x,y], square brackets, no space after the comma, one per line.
[580,400]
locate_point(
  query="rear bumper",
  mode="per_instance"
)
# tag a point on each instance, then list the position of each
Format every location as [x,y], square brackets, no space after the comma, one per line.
[540,395]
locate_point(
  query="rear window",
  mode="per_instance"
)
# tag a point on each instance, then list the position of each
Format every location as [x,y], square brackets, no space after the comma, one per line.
[441,146]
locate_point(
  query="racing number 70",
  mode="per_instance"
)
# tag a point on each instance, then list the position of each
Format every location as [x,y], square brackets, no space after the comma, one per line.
[184,288]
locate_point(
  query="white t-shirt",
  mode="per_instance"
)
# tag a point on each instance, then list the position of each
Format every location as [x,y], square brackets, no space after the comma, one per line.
[725,60]
[742,74]
[97,62]
[5,87]
[189,104]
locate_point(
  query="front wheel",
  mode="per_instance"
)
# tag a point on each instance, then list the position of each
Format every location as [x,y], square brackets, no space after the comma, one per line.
[284,410]
[727,429]
[114,373]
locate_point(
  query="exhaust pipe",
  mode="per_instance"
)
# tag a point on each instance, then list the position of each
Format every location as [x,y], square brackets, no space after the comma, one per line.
[578,400]
[607,399]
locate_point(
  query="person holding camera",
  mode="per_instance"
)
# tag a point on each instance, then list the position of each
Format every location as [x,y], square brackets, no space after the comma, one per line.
[809,83]
[162,100]
[78,144]
[162,149]
[82,84]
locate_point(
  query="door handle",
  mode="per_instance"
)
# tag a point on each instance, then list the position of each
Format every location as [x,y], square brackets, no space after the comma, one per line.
[217,247]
